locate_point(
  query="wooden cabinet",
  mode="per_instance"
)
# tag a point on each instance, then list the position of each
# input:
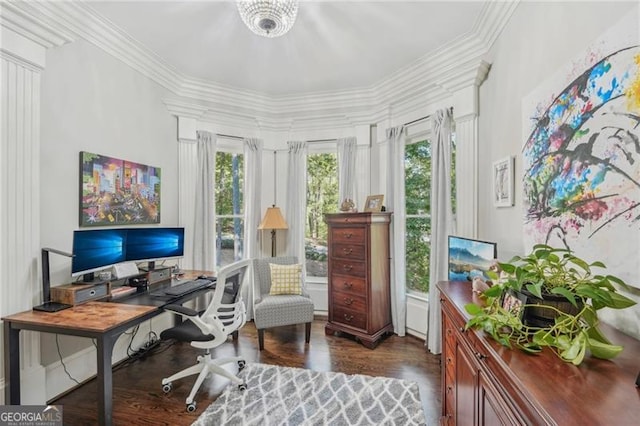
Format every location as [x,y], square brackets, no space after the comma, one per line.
[359,292]
[484,383]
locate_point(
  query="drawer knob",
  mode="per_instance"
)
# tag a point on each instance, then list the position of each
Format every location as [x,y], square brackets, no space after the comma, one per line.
[347,250]
[480,356]
[348,300]
[461,329]
[348,285]
[347,234]
[348,267]
[348,318]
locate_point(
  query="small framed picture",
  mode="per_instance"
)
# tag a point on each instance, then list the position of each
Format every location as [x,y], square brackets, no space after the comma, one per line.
[503,182]
[514,303]
[373,203]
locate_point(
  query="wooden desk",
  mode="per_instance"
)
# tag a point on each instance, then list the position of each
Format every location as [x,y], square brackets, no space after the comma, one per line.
[486,383]
[103,321]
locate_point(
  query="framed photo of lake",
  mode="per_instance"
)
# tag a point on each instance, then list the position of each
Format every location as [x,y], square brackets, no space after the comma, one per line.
[469,258]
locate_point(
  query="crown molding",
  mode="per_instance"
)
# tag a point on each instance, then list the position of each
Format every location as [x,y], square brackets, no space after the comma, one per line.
[431,78]
[24,19]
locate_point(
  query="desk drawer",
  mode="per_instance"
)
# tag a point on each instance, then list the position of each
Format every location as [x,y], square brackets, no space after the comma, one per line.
[75,294]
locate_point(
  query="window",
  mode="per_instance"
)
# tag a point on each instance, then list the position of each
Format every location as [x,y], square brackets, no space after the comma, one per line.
[417,207]
[229,207]
[322,197]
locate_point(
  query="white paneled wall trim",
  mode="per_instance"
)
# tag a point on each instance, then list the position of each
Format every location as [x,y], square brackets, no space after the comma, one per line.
[21,62]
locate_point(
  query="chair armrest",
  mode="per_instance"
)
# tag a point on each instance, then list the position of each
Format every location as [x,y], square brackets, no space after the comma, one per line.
[179,309]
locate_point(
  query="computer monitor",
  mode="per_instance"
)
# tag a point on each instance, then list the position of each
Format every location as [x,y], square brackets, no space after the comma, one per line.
[151,244]
[95,250]
[469,258]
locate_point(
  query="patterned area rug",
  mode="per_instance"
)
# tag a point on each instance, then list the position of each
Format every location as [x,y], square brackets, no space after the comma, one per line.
[294,396]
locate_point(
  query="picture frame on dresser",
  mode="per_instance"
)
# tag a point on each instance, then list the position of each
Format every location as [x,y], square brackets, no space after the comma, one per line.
[374,203]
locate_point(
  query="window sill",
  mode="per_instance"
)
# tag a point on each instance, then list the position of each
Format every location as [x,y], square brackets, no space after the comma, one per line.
[418,296]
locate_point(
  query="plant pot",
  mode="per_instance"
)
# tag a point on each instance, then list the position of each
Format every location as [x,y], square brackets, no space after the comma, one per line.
[538,313]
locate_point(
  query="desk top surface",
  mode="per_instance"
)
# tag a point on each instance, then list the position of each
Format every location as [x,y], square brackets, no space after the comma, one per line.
[94,316]
[90,316]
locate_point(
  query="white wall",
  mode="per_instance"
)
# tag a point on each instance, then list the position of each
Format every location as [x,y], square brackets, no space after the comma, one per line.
[539,39]
[93,102]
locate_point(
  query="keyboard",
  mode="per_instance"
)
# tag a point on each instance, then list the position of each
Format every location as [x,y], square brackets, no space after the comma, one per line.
[187,287]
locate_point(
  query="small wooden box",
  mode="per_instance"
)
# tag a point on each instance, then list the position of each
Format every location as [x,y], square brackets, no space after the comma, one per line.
[76,294]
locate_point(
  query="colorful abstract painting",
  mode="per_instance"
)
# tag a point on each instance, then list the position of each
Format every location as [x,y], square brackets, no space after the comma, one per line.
[581,156]
[117,192]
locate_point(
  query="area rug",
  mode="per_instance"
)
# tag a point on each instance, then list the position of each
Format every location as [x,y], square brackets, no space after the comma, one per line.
[295,396]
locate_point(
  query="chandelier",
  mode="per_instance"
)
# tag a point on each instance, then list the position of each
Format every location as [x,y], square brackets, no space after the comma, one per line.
[268,18]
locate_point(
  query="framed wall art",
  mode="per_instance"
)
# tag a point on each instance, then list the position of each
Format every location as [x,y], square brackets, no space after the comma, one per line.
[117,192]
[503,182]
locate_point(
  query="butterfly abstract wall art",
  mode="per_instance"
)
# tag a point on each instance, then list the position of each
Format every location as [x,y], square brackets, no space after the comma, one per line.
[581,155]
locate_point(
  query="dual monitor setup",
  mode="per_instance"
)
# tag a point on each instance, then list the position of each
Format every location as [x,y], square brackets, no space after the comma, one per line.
[98,249]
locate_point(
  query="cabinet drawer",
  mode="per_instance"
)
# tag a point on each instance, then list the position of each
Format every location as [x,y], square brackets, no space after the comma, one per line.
[349,301]
[352,235]
[349,317]
[348,251]
[348,284]
[348,267]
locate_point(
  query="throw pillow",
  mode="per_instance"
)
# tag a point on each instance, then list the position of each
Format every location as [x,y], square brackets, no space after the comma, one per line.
[285,279]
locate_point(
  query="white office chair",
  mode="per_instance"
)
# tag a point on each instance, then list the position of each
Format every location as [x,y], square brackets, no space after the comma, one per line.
[224,316]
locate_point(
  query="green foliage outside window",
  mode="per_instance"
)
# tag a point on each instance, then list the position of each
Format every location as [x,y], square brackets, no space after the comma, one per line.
[229,195]
[417,208]
[322,197]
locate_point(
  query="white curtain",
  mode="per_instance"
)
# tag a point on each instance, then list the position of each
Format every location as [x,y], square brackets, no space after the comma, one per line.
[252,206]
[441,220]
[204,227]
[396,203]
[347,152]
[297,199]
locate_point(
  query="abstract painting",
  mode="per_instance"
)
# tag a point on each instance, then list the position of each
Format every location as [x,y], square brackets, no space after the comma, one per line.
[581,154]
[117,192]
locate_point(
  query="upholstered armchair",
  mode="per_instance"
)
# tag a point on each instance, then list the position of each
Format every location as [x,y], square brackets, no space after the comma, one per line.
[275,310]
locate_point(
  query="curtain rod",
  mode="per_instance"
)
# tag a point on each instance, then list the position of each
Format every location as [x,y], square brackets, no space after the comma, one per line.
[426,117]
[220,135]
[417,120]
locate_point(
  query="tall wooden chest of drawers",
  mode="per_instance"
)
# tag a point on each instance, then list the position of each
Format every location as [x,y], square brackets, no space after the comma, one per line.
[359,291]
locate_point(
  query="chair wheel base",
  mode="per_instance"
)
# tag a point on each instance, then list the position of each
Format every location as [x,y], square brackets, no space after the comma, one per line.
[166,388]
[191,407]
[242,365]
[242,387]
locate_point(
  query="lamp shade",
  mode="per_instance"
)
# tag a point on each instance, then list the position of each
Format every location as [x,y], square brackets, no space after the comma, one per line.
[273,219]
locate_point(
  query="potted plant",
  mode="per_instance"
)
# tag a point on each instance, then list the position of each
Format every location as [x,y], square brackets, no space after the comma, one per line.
[517,313]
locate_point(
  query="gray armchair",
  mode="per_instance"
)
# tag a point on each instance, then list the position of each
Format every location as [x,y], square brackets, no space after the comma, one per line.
[278,310]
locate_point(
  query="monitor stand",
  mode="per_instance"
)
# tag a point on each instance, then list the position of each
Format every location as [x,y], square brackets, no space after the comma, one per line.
[51,307]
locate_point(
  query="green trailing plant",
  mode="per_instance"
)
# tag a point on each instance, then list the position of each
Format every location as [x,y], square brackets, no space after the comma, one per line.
[551,271]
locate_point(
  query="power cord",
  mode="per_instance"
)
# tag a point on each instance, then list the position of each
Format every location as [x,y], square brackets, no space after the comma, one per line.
[64,366]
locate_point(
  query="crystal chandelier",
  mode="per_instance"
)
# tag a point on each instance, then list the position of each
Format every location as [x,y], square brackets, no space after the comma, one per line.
[268,18]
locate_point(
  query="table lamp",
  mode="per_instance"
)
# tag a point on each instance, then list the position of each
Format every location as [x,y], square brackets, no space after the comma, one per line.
[273,220]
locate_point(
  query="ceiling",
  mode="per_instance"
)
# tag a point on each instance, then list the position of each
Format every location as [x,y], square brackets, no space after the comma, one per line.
[333,46]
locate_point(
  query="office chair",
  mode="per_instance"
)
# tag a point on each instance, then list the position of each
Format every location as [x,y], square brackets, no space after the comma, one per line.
[224,316]
[278,310]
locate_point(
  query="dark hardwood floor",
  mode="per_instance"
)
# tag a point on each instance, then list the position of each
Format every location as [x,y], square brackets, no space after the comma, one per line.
[138,398]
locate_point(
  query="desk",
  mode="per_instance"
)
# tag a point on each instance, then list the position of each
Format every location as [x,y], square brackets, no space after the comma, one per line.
[103,321]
